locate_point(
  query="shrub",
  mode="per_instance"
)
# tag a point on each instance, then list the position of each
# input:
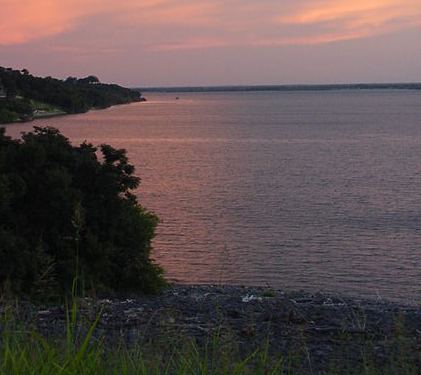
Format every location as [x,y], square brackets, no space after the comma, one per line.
[66,211]
[14,109]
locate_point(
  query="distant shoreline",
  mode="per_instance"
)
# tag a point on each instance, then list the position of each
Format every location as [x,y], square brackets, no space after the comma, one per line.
[356,86]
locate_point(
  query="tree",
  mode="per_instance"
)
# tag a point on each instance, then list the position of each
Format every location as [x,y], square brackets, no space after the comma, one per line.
[89,80]
[64,212]
[72,80]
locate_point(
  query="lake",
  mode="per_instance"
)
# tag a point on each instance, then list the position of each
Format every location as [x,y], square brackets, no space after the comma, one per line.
[313,190]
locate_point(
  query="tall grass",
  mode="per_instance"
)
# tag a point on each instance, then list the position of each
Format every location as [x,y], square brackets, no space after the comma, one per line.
[27,352]
[80,351]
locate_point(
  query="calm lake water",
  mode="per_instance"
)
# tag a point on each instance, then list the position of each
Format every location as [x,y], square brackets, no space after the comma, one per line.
[297,190]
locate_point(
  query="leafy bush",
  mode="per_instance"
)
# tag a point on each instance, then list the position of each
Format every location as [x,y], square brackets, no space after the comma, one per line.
[7,115]
[67,210]
[14,109]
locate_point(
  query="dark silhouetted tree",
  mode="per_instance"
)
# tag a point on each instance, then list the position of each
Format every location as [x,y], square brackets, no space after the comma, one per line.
[66,211]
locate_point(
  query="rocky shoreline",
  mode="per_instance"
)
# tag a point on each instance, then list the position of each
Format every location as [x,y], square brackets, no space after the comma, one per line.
[320,328]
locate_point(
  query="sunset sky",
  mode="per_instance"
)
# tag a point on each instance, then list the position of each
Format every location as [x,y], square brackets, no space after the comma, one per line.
[214,42]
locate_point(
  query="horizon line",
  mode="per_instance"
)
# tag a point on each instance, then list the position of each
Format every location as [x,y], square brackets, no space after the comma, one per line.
[283,87]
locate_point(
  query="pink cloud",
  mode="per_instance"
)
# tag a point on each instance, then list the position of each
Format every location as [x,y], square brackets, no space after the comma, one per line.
[191,24]
[355,19]
[28,20]
[24,20]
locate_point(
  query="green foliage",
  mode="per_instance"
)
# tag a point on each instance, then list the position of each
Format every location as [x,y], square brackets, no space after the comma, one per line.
[72,95]
[7,116]
[67,211]
[82,351]
[13,109]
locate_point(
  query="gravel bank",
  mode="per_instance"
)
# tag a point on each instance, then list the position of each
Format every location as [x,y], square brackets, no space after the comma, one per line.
[321,329]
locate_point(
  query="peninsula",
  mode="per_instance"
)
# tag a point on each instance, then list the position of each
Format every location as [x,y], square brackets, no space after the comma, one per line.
[24,97]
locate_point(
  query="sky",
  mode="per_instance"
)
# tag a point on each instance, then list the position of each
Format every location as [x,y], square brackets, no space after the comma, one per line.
[141,43]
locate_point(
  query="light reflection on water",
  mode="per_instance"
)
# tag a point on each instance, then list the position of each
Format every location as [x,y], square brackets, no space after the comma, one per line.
[312,190]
